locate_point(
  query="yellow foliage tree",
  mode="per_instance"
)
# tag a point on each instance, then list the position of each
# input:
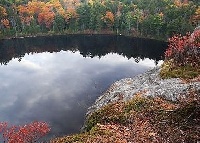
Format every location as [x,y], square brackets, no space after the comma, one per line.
[70,13]
[2,12]
[71,3]
[196,17]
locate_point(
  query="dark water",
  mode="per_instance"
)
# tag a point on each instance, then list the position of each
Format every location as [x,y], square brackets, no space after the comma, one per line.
[55,79]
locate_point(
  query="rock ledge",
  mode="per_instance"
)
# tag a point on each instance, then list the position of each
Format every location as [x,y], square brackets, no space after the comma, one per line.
[149,84]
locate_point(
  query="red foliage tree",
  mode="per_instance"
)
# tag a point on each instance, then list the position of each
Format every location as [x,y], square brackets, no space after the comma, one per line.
[184,50]
[23,134]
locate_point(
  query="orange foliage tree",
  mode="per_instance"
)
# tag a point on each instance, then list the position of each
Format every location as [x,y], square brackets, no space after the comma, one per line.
[46,17]
[108,18]
[30,11]
[4,21]
[71,13]
[37,9]
[25,14]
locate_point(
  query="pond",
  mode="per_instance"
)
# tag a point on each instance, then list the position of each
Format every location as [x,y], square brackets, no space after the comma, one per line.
[55,79]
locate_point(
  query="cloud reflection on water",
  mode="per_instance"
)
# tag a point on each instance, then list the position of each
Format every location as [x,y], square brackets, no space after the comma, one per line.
[59,87]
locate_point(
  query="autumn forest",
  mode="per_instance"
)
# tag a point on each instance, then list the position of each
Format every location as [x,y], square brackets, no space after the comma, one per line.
[152,18]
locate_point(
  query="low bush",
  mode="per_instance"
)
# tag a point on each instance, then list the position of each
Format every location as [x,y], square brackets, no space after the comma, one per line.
[182,57]
[24,134]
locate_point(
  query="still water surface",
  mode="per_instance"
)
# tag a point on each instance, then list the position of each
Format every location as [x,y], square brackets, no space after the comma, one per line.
[55,79]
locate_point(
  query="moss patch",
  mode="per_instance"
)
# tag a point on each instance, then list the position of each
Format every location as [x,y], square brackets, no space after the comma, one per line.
[185,72]
[117,112]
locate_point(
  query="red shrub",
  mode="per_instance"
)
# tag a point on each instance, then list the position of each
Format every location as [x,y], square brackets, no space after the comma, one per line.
[24,134]
[184,50]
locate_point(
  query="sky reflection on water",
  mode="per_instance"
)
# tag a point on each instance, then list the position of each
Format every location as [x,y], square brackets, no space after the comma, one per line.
[58,87]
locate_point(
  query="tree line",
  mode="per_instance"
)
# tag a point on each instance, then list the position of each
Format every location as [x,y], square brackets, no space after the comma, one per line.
[145,18]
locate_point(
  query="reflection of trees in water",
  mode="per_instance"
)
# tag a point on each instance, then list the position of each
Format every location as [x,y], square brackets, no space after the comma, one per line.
[87,45]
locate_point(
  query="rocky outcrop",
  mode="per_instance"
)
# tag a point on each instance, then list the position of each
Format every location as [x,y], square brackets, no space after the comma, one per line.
[149,84]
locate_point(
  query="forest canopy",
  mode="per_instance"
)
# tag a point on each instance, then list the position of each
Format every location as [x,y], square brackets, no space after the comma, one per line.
[153,19]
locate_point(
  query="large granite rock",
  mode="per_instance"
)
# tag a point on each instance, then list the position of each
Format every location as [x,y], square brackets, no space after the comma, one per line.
[149,84]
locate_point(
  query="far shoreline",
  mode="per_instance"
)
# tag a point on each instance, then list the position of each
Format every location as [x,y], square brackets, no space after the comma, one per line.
[21,36]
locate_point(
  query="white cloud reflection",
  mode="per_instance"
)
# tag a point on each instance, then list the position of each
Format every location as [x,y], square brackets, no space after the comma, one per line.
[52,86]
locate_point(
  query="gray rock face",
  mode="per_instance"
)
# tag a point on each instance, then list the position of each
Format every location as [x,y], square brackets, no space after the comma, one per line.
[149,84]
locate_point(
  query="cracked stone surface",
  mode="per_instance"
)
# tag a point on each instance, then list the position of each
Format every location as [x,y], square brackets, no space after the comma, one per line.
[149,84]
